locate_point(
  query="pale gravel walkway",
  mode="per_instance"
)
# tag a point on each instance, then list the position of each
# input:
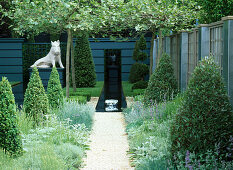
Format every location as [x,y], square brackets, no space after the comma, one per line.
[109,144]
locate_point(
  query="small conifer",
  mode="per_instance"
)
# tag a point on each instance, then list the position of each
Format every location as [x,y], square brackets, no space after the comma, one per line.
[139,70]
[205,121]
[35,99]
[10,140]
[54,89]
[162,84]
[83,61]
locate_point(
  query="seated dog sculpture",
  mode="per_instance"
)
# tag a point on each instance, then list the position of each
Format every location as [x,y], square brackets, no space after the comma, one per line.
[51,58]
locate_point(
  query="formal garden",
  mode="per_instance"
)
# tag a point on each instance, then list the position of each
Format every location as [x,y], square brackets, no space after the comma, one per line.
[179,94]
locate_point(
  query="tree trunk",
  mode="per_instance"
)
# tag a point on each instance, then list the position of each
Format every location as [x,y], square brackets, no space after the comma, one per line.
[160,50]
[68,63]
[72,64]
[151,53]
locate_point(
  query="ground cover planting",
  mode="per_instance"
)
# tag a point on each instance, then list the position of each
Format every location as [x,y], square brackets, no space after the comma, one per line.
[129,91]
[55,138]
[93,91]
[164,135]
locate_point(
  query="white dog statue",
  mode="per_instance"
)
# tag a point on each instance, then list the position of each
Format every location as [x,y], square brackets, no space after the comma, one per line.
[51,58]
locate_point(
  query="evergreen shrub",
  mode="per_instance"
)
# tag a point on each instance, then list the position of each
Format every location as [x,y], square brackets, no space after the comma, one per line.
[54,89]
[83,61]
[139,53]
[162,84]
[35,99]
[205,121]
[81,93]
[10,140]
[140,85]
[137,72]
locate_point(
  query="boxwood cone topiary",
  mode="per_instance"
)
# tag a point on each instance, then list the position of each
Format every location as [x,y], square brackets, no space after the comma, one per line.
[162,84]
[84,66]
[205,119]
[10,140]
[35,99]
[54,89]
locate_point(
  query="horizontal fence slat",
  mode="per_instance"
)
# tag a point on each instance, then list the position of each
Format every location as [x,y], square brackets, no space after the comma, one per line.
[125,68]
[10,61]
[97,53]
[11,69]
[10,46]
[12,77]
[99,60]
[100,76]
[11,53]
[124,76]
[114,45]
[99,68]
[127,60]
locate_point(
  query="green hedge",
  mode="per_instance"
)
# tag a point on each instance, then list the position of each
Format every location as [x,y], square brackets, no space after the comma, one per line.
[80,99]
[80,93]
[10,140]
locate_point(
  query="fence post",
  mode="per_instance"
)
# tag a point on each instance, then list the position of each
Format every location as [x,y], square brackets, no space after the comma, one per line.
[204,41]
[183,60]
[154,55]
[167,48]
[228,54]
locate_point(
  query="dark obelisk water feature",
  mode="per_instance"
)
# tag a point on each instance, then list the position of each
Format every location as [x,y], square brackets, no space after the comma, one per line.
[112,98]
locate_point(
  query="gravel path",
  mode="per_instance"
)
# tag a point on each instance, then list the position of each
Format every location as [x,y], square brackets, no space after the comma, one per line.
[109,144]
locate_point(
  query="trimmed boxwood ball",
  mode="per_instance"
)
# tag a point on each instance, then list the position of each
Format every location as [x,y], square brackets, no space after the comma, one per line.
[162,84]
[83,61]
[137,72]
[35,99]
[205,119]
[10,140]
[54,90]
[140,85]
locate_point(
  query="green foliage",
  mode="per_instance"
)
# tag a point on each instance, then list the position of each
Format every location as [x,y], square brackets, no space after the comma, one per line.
[84,66]
[10,140]
[77,113]
[79,99]
[139,53]
[137,72]
[140,85]
[136,51]
[55,145]
[214,10]
[205,119]
[35,99]
[94,91]
[162,84]
[148,131]
[54,90]
[82,93]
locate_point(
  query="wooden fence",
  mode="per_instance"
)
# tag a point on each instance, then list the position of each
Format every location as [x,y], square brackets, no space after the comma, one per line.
[187,48]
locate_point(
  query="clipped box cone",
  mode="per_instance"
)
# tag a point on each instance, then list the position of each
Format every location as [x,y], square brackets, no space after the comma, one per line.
[10,140]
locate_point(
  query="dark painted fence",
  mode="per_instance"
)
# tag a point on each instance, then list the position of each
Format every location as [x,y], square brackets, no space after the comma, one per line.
[34,51]
[11,64]
[98,46]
